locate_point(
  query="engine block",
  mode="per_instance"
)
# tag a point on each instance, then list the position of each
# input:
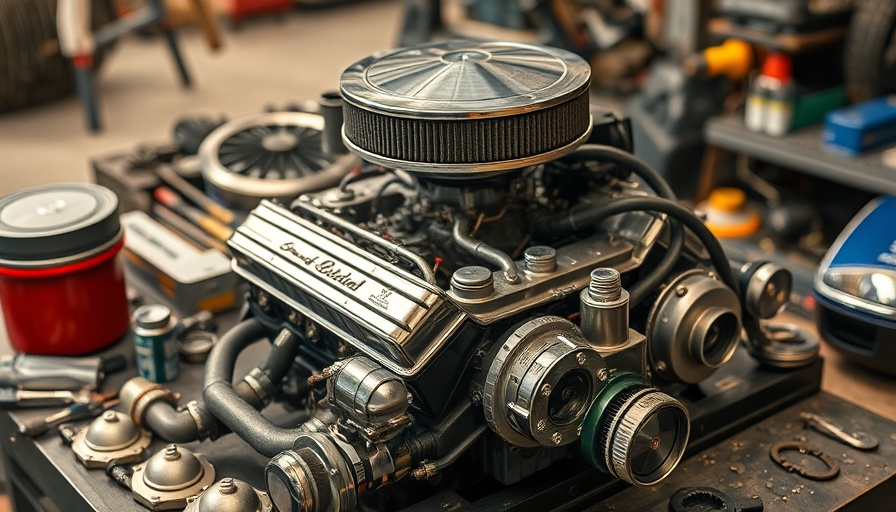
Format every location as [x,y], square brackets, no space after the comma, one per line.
[498,287]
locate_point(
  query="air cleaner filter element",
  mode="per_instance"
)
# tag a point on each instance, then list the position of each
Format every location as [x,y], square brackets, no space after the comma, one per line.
[465,107]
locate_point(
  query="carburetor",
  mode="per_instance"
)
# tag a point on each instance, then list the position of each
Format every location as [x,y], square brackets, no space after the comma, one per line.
[498,288]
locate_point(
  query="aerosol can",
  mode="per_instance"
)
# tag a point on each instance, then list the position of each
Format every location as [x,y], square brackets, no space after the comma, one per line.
[772,96]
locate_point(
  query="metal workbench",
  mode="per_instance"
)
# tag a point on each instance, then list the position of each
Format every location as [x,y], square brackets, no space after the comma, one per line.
[44,475]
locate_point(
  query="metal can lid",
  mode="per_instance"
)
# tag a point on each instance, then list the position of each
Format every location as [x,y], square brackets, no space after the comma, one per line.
[57,221]
[153,316]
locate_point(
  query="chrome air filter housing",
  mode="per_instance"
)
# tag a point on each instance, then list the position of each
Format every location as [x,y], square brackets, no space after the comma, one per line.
[462,108]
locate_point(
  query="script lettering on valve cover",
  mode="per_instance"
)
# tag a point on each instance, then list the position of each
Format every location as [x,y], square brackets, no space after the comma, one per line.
[327,268]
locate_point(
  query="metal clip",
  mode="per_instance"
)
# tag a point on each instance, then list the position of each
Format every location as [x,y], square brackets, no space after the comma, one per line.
[832,471]
[857,440]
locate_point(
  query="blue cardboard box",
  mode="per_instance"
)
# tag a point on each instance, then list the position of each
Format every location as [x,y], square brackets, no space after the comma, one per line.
[859,128]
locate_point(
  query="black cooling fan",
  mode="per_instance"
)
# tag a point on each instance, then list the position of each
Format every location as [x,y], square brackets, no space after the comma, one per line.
[465,108]
[276,155]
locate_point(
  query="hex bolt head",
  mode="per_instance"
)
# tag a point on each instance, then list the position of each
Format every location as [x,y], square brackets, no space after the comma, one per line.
[557,437]
[580,358]
[546,390]
[541,425]
[110,416]
[602,374]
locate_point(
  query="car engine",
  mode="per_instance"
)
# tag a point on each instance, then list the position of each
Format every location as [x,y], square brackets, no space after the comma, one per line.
[498,289]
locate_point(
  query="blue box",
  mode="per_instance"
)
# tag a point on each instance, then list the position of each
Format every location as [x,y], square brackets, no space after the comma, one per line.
[859,128]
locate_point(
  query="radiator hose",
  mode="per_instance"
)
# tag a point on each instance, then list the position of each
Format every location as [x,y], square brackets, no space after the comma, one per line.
[232,406]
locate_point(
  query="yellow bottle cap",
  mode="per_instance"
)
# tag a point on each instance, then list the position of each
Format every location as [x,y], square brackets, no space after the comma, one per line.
[728,199]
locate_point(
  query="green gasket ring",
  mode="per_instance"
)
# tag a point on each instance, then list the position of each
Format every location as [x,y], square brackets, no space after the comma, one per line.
[618,383]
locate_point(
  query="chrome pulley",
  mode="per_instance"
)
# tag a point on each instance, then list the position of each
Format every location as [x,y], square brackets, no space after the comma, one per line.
[634,431]
[540,383]
[694,327]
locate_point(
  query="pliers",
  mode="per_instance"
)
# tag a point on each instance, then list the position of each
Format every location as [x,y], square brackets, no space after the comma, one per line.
[93,406]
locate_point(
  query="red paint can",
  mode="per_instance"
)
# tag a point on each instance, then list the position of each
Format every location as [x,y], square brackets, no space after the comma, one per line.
[62,286]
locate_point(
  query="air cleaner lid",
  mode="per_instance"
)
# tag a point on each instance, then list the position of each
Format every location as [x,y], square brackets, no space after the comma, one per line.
[466,106]
[56,221]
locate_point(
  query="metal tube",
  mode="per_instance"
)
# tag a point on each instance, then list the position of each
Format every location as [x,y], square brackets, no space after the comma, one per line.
[331,110]
[484,251]
[162,419]
[50,373]
[604,310]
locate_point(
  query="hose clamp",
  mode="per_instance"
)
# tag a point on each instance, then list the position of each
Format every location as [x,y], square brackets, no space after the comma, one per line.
[833,468]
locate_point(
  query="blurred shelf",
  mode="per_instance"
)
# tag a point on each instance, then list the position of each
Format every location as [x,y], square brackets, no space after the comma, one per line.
[786,42]
[803,151]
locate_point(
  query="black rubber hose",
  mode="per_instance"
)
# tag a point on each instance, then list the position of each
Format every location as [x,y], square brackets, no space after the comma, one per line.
[253,428]
[228,407]
[575,220]
[578,219]
[222,359]
[641,289]
[179,426]
[280,359]
[591,152]
[267,376]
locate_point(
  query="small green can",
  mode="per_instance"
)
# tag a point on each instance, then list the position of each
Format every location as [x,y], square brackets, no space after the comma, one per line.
[154,343]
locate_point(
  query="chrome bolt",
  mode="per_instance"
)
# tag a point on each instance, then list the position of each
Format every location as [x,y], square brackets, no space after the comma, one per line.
[681,291]
[602,374]
[110,416]
[540,259]
[546,390]
[171,452]
[580,358]
[227,486]
[542,425]
[605,285]
[557,437]
[476,398]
